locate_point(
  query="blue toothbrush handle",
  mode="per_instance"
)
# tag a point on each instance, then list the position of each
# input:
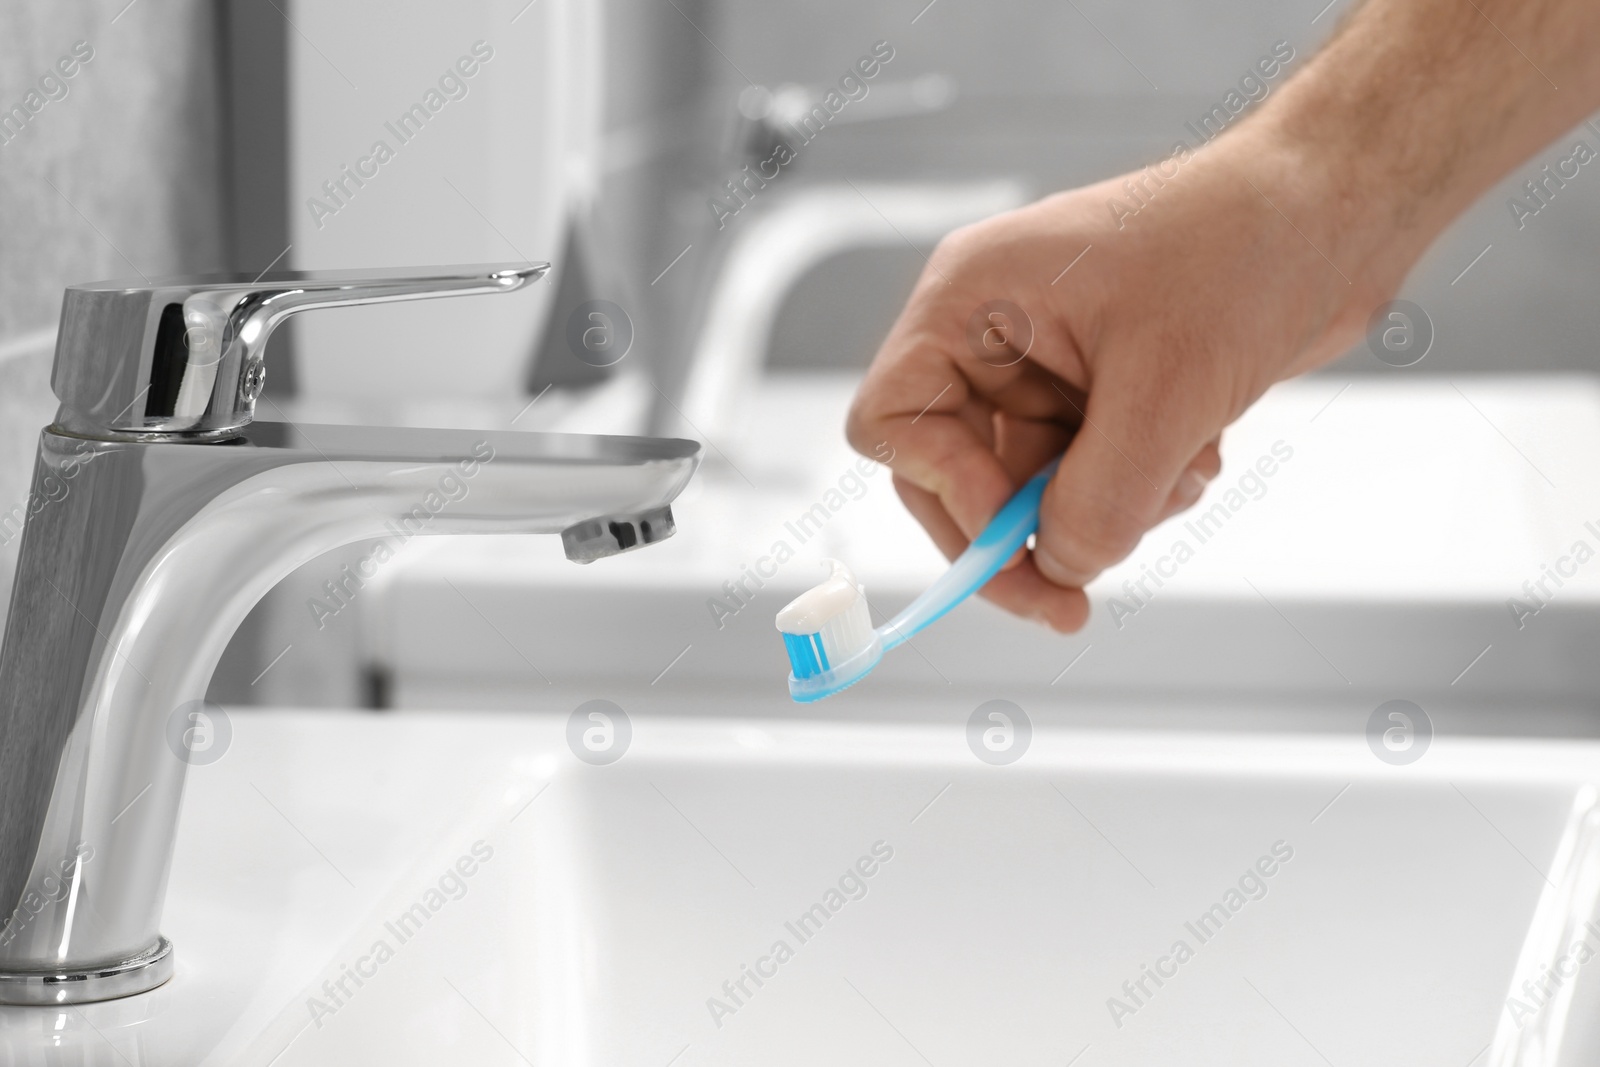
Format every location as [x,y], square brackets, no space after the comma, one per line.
[1008,531]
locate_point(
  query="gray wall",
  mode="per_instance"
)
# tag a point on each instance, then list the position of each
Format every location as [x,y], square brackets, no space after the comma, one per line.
[119,177]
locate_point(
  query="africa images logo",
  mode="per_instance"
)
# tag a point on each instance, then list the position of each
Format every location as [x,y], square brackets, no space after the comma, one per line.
[599,732]
[999,732]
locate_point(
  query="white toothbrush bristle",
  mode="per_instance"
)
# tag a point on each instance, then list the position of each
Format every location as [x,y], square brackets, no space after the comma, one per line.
[848,633]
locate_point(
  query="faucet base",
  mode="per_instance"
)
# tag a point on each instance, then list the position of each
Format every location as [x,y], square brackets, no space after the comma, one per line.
[137,974]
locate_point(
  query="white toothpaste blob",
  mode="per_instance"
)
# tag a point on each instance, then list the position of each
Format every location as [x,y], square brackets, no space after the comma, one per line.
[809,612]
[827,626]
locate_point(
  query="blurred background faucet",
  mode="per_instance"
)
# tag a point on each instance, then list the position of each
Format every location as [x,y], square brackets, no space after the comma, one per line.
[164,512]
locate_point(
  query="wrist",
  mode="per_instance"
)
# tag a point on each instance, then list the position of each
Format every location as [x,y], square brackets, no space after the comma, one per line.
[1371,228]
[1326,252]
[1415,108]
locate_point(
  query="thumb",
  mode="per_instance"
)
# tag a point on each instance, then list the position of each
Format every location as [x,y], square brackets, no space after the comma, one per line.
[1116,478]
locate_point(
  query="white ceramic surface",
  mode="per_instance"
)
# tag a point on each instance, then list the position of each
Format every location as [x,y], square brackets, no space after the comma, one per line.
[1018,899]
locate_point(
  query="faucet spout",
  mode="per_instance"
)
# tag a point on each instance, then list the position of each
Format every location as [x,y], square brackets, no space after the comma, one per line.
[141,559]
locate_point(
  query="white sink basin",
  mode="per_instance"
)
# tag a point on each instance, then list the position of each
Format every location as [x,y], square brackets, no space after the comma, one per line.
[606,906]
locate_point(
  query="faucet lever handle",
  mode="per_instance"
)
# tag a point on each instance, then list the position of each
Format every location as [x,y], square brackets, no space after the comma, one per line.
[182,358]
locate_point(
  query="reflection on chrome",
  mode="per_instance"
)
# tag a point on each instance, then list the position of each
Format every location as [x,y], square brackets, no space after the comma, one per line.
[180,516]
[1549,1018]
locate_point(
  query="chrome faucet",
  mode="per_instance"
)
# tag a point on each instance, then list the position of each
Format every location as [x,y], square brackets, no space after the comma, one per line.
[161,513]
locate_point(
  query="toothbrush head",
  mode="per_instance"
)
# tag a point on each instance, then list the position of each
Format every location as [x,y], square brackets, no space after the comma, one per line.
[829,636]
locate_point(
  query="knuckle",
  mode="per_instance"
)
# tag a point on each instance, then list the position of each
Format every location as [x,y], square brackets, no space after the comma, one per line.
[856,427]
[961,248]
[867,430]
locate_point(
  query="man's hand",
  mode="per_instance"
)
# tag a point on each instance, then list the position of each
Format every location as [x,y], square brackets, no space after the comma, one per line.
[1258,257]
[1156,338]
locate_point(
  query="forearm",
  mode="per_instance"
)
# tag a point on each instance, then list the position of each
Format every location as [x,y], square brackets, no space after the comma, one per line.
[1416,107]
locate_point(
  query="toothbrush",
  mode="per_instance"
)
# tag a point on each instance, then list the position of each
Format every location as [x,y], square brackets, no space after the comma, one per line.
[828,632]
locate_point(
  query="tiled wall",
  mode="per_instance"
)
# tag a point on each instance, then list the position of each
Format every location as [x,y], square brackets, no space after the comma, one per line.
[116,173]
